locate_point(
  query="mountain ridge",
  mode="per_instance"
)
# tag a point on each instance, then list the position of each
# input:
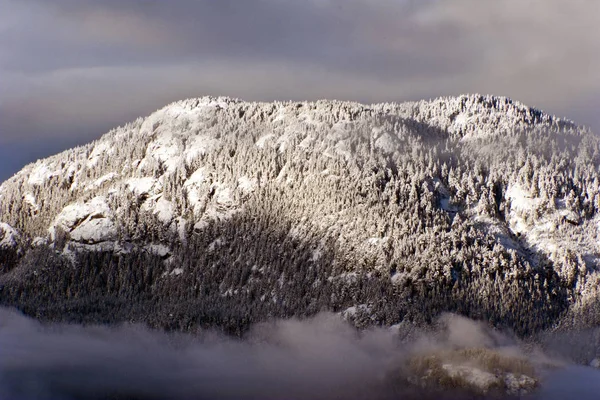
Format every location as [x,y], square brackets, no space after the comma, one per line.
[432,199]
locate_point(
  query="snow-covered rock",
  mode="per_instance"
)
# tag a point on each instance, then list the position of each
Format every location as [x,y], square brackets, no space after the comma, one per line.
[94,230]
[144,186]
[9,237]
[40,174]
[102,180]
[89,222]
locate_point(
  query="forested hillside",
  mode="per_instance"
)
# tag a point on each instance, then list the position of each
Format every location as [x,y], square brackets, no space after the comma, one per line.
[218,212]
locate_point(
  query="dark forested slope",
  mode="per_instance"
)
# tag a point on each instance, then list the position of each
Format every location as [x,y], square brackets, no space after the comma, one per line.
[218,212]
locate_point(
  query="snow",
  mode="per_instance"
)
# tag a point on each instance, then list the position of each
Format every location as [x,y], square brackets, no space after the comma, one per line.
[218,242]
[196,179]
[193,186]
[307,142]
[8,236]
[103,179]
[106,246]
[519,385]
[94,231]
[176,131]
[223,195]
[40,174]
[284,140]
[86,222]
[101,147]
[462,120]
[476,377]
[447,205]
[483,381]
[166,148]
[353,310]
[375,241]
[31,200]
[547,230]
[73,214]
[263,140]
[39,241]
[177,271]
[316,254]
[158,249]
[247,185]
[522,206]
[181,225]
[387,143]
[164,210]
[199,145]
[142,186]
[521,199]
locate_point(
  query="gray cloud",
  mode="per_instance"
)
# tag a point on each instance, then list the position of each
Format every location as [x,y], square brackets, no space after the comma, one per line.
[75,68]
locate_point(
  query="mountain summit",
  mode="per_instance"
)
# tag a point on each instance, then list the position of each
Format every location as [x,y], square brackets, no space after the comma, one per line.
[219,212]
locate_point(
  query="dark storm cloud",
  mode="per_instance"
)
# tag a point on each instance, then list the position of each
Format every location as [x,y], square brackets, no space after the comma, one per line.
[76,68]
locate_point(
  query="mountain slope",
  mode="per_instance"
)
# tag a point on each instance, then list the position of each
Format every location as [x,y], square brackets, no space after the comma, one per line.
[215,211]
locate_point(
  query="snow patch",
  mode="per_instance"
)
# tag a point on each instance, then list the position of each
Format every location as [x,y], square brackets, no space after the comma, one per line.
[39,241]
[40,174]
[158,249]
[144,186]
[223,195]
[462,120]
[196,179]
[551,228]
[199,146]
[8,236]
[88,222]
[521,199]
[162,208]
[247,185]
[361,309]
[193,186]
[386,142]
[476,377]
[263,140]
[32,202]
[166,148]
[94,231]
[316,254]
[375,241]
[102,180]
[100,148]
[218,242]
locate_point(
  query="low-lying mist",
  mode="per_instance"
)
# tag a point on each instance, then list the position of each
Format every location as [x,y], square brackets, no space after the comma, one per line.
[318,358]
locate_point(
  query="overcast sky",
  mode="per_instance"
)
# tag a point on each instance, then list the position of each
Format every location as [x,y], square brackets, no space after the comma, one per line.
[72,69]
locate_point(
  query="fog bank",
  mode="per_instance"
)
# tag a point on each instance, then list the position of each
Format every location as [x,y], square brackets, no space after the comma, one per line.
[319,358]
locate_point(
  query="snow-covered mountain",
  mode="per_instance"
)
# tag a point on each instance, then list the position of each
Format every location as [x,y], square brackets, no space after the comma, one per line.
[215,211]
